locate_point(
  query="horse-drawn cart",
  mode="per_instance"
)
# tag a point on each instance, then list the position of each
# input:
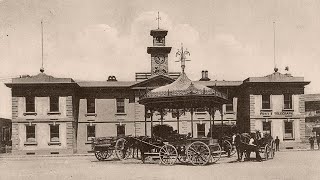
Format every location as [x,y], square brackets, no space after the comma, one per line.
[103,147]
[199,151]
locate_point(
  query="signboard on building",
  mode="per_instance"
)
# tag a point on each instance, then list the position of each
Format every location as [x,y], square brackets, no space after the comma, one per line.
[284,113]
[265,113]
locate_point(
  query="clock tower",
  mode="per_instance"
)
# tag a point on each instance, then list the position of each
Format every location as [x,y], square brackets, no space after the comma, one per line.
[159,52]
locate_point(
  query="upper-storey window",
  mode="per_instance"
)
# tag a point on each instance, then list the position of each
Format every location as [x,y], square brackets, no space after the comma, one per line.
[287,101]
[54,104]
[266,101]
[120,106]
[30,104]
[91,105]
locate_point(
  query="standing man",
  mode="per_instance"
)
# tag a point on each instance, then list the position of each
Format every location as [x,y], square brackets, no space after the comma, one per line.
[277,141]
[311,141]
[318,140]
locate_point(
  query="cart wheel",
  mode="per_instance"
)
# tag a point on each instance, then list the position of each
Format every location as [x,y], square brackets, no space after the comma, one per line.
[266,152]
[122,150]
[102,155]
[215,150]
[198,153]
[229,148]
[168,154]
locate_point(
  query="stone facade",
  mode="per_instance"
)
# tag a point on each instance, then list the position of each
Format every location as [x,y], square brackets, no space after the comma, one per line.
[109,108]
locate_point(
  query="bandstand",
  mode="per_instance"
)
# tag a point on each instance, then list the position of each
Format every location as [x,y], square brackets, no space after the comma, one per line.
[182,95]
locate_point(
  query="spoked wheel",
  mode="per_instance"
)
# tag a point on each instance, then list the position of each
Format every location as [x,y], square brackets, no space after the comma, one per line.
[215,152]
[229,148]
[198,153]
[266,152]
[168,154]
[102,155]
[123,151]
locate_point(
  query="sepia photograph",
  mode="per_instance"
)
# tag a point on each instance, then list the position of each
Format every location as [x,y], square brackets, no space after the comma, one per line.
[159,89]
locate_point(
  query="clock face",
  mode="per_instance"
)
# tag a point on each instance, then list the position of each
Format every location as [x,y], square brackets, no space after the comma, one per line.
[159,59]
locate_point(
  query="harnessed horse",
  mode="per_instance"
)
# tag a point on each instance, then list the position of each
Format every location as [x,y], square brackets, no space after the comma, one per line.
[241,142]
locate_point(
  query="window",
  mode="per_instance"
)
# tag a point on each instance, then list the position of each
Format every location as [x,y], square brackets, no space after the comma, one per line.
[266,127]
[229,107]
[54,133]
[201,130]
[6,134]
[288,130]
[54,104]
[266,101]
[121,130]
[31,133]
[159,39]
[91,132]
[120,105]
[30,105]
[287,101]
[91,105]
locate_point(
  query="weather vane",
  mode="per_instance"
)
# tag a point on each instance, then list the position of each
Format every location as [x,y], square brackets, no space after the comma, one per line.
[158,19]
[183,53]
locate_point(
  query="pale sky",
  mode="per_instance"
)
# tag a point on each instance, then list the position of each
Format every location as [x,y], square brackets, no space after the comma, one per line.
[90,40]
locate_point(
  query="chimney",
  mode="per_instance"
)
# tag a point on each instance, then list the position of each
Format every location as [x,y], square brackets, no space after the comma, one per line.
[204,76]
[112,78]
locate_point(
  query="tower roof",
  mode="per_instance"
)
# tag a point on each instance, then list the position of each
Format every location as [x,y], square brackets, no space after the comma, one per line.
[158,32]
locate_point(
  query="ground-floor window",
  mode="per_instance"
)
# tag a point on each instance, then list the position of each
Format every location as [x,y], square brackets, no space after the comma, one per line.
[31,133]
[201,130]
[121,130]
[91,132]
[54,133]
[266,127]
[6,134]
[288,130]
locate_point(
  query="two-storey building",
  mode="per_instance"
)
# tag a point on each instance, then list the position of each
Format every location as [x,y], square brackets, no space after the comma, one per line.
[43,115]
[312,105]
[273,104]
[59,115]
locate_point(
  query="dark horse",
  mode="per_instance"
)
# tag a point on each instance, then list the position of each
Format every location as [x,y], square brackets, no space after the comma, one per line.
[241,142]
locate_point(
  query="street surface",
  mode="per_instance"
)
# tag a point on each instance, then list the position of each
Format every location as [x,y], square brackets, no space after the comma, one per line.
[285,166]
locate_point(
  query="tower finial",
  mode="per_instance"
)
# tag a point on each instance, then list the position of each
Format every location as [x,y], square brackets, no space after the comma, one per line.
[183,53]
[158,18]
[41,69]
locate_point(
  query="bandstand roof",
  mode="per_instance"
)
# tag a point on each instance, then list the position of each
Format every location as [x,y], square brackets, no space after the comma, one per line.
[183,93]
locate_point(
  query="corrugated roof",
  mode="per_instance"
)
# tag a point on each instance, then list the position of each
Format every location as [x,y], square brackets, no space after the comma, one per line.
[311,97]
[41,78]
[106,83]
[275,77]
[219,83]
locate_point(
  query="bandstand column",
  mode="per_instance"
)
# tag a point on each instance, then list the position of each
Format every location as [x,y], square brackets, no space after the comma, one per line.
[151,117]
[161,116]
[145,120]
[210,127]
[178,117]
[191,111]
[221,114]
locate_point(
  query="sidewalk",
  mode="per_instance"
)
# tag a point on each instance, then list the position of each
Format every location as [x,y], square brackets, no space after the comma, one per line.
[11,156]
